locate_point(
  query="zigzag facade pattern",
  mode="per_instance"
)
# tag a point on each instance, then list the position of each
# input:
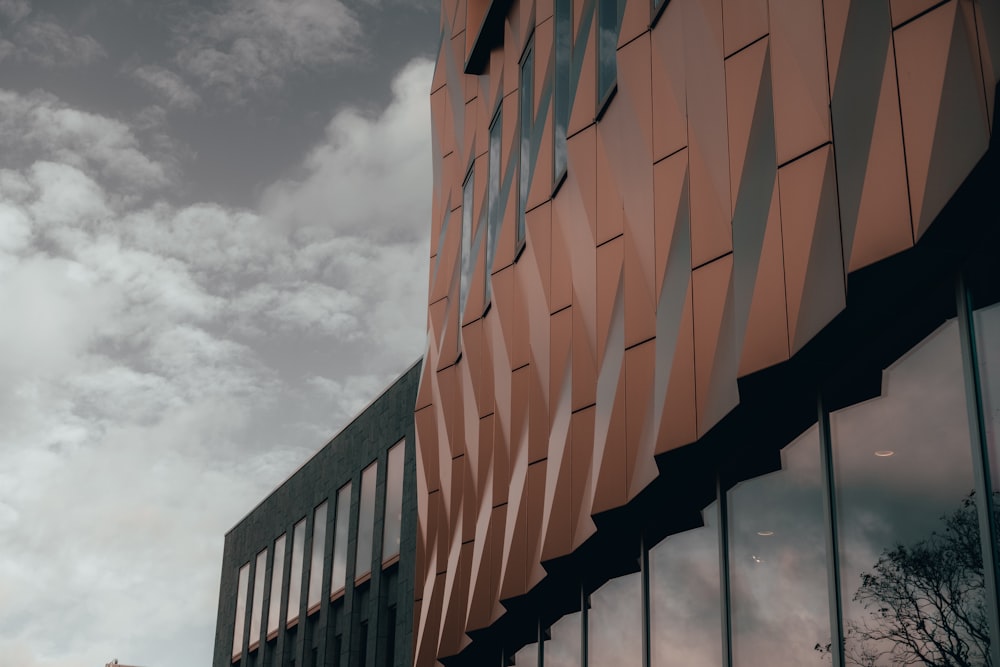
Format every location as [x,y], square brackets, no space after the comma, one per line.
[754,154]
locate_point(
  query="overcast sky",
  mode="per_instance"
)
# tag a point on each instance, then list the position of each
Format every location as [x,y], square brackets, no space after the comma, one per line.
[213,252]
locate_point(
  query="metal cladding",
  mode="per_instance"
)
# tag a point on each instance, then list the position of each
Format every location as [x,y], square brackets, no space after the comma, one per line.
[754,153]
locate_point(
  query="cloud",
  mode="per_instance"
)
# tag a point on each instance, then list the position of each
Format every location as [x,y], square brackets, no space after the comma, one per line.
[168,85]
[251,45]
[44,42]
[165,366]
[39,126]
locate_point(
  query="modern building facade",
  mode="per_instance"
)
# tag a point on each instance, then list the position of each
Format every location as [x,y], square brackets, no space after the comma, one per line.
[713,363]
[320,573]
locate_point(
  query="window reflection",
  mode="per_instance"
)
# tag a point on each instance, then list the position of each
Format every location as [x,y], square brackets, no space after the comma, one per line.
[274,602]
[560,90]
[466,274]
[393,501]
[257,599]
[527,656]
[241,610]
[684,593]
[777,561]
[609,14]
[338,577]
[366,521]
[316,562]
[987,324]
[494,211]
[614,634]
[527,127]
[911,574]
[295,576]
[562,648]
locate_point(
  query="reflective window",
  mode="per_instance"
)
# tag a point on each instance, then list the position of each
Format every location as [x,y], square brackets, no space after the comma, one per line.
[257,608]
[316,563]
[338,578]
[241,610]
[614,633]
[366,521]
[684,592]
[910,570]
[527,127]
[560,90]
[274,603]
[467,204]
[393,501]
[608,16]
[987,325]
[527,656]
[777,561]
[295,576]
[493,209]
[565,642]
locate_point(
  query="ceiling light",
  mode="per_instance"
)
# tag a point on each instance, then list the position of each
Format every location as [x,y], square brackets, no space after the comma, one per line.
[765,533]
[883,453]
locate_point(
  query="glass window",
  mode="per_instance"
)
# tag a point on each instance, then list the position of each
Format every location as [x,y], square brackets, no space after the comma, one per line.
[274,603]
[366,521]
[527,656]
[560,91]
[295,576]
[338,577]
[467,205]
[609,16]
[527,127]
[910,555]
[565,642]
[684,592]
[777,561]
[987,327]
[493,210]
[393,501]
[316,564]
[241,610]
[258,598]
[614,620]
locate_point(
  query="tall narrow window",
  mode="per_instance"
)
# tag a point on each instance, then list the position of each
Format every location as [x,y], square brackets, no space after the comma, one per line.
[527,127]
[493,212]
[257,601]
[560,91]
[366,522]
[615,621]
[393,501]
[295,576]
[274,603]
[467,204]
[241,610]
[564,647]
[316,564]
[608,17]
[338,576]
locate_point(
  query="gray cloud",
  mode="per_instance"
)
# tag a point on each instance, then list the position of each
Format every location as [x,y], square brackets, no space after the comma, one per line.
[39,40]
[251,45]
[14,10]
[167,85]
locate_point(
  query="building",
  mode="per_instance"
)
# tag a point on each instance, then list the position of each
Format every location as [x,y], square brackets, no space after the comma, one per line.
[320,573]
[713,362]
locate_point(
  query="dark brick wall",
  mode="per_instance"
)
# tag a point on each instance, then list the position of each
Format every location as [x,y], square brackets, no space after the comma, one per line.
[384,423]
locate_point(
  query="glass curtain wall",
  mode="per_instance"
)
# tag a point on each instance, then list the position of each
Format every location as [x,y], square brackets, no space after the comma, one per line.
[912,577]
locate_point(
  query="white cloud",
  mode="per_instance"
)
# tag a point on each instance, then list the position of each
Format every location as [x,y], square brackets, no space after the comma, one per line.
[168,85]
[44,42]
[166,366]
[251,45]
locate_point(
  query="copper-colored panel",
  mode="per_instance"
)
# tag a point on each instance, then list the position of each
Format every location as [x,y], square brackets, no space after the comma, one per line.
[501,457]
[538,411]
[714,355]
[584,100]
[523,274]
[799,72]
[543,11]
[534,507]
[513,42]
[473,345]
[584,359]
[538,230]
[456,592]
[944,122]
[540,189]
[483,470]
[610,301]
[904,10]
[765,341]
[882,225]
[609,201]
[505,242]
[505,308]
[743,81]
[471,494]
[708,150]
[636,96]
[743,21]
[582,457]
[987,15]
[639,266]
[678,420]
[581,184]
[669,94]
[520,389]
[611,487]
[558,533]
[564,210]
[635,21]
[670,193]
[640,434]
[810,224]
[445,123]
[835,14]
[469,147]
[425,641]
[482,581]
[450,398]
[513,555]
